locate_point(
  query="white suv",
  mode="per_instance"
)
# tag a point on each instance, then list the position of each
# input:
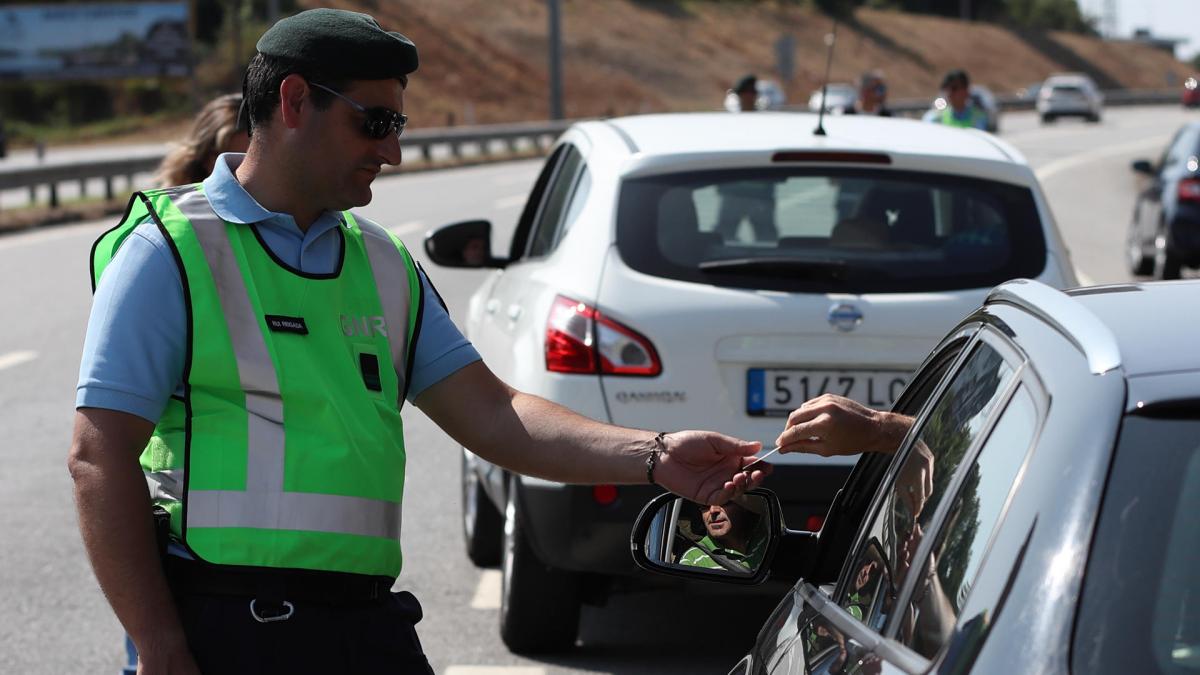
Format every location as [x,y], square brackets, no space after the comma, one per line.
[1069,94]
[713,271]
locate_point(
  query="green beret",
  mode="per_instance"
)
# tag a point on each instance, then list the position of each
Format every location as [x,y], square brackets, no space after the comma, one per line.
[349,44]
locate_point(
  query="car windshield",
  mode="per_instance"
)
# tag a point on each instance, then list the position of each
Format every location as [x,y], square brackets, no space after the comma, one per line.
[830,230]
[1140,610]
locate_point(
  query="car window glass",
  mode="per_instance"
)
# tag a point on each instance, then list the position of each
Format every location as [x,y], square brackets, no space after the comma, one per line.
[583,187]
[896,529]
[1169,154]
[521,232]
[829,230]
[1139,610]
[1185,147]
[550,218]
[962,541]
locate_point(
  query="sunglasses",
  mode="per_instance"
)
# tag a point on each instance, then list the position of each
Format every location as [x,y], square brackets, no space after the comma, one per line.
[379,121]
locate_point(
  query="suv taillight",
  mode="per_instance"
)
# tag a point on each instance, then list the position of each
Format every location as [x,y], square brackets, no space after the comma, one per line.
[1189,190]
[581,340]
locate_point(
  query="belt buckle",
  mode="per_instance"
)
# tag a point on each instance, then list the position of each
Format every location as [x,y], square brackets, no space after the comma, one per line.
[291,609]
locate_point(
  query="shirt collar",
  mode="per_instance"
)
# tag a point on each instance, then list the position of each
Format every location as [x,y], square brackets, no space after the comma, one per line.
[233,204]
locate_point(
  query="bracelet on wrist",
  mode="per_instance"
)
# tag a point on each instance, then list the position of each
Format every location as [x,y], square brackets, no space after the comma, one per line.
[660,445]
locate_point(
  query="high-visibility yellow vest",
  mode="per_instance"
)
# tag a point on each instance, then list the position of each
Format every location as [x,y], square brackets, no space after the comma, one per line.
[286,449]
[969,122]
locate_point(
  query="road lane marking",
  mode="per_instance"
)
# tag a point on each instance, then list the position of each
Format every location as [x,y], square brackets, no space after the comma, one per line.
[17,358]
[1060,165]
[509,202]
[1084,280]
[495,670]
[487,593]
[410,226]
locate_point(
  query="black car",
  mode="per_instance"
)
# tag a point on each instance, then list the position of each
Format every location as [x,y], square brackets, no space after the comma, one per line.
[1164,235]
[1061,533]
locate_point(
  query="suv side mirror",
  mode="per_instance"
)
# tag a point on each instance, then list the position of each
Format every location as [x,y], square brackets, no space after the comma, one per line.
[733,543]
[1143,166]
[466,244]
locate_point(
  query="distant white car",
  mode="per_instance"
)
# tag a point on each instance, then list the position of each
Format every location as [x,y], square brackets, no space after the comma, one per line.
[840,97]
[714,271]
[1070,94]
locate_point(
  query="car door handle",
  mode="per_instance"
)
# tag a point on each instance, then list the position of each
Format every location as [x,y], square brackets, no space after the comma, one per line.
[514,311]
[491,306]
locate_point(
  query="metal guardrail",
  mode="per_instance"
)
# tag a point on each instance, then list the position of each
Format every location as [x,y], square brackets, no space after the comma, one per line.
[484,139]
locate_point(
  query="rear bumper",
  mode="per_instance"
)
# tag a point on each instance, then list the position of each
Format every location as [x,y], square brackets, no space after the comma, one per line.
[570,531]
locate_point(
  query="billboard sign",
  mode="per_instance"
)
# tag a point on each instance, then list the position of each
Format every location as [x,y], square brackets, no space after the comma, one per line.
[94,40]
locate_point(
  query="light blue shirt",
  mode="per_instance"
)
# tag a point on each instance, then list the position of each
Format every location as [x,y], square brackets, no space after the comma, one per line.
[136,338]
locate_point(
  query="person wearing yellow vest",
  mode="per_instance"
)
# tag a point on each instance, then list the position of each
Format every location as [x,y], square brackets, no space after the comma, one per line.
[960,109]
[242,511]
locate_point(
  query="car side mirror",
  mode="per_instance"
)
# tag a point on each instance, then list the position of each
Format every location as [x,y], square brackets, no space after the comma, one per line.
[1143,166]
[733,543]
[466,244]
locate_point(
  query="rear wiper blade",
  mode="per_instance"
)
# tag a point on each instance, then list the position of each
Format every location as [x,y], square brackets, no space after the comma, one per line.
[804,268]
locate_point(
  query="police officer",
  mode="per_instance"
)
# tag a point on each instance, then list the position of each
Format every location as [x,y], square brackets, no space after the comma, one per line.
[960,110]
[249,349]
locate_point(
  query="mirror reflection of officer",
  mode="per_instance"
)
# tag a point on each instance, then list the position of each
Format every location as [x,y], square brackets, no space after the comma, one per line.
[249,349]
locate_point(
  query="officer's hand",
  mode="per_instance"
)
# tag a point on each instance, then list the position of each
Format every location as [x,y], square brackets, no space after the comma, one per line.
[704,466]
[834,425]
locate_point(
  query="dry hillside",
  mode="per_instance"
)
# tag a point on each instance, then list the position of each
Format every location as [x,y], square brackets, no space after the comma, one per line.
[485,61]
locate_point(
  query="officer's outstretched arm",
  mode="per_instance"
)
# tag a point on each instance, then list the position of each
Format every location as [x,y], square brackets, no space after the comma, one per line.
[118,532]
[530,435]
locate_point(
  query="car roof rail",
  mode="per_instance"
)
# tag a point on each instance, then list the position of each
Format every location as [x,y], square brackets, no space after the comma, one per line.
[1081,327]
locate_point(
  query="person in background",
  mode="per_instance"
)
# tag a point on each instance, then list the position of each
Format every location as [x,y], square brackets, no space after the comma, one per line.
[744,95]
[960,110]
[872,96]
[216,130]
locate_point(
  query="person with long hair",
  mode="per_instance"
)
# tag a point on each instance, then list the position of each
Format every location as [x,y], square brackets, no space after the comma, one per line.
[214,131]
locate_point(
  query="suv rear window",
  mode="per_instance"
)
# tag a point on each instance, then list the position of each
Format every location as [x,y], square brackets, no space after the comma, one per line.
[851,230]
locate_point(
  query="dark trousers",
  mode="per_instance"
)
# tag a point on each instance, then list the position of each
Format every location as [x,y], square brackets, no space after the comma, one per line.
[369,637]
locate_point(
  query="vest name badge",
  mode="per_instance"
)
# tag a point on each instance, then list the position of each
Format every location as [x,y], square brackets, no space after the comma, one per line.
[287,324]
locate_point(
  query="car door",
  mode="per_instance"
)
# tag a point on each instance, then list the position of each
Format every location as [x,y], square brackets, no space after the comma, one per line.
[897,598]
[1150,199]
[535,236]
[783,647]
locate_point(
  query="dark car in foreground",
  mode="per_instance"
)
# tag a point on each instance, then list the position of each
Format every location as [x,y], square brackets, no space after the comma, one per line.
[1164,234]
[1041,516]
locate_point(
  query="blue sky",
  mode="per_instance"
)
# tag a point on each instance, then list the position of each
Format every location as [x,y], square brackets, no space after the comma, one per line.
[1167,18]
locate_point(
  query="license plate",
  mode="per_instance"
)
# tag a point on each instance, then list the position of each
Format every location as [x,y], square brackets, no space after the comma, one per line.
[775,392]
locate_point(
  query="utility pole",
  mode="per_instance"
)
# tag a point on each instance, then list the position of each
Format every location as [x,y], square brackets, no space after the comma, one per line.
[964,9]
[556,91]
[1108,24]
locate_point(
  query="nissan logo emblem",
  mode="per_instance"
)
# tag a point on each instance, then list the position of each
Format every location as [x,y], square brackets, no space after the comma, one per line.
[845,317]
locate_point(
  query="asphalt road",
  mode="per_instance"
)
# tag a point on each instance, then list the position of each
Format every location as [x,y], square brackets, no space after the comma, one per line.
[53,618]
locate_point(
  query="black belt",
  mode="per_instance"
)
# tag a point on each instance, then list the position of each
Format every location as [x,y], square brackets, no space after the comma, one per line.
[191,577]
